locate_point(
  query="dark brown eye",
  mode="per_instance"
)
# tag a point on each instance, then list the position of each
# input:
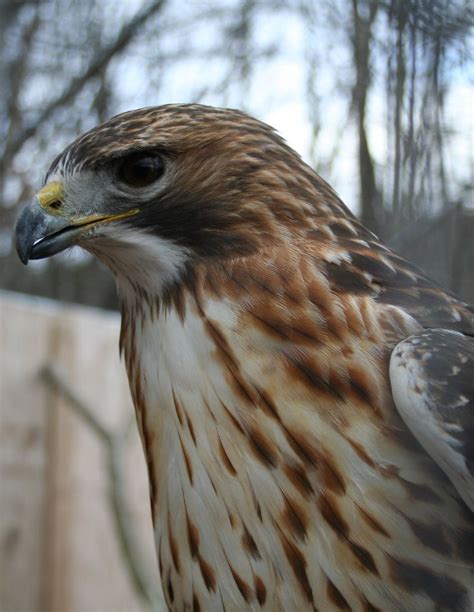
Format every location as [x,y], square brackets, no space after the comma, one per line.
[141,170]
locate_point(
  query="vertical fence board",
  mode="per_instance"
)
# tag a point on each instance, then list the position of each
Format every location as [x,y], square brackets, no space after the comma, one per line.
[58,549]
[23,459]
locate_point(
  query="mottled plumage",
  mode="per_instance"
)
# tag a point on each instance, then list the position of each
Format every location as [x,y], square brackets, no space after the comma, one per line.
[258,321]
[432,379]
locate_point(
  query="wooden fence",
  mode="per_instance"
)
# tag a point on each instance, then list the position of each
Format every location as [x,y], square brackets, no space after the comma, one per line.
[59,548]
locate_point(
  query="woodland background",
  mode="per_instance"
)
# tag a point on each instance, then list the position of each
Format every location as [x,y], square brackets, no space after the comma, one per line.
[375,94]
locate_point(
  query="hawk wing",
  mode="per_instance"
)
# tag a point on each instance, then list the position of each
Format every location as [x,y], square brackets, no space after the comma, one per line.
[432,378]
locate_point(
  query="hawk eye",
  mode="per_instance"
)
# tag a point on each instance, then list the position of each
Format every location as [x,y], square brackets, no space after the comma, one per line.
[140,169]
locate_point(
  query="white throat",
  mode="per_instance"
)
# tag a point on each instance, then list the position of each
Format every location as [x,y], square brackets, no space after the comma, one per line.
[142,264]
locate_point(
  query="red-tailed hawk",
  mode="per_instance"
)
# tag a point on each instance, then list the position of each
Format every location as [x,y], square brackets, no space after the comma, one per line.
[304,394]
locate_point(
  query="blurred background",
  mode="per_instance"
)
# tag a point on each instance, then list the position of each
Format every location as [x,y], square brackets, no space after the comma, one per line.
[375,94]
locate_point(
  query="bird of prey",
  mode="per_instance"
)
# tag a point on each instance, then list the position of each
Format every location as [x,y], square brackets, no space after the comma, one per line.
[304,395]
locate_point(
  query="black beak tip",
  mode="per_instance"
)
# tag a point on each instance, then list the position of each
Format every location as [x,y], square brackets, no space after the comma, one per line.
[23,251]
[23,241]
[24,260]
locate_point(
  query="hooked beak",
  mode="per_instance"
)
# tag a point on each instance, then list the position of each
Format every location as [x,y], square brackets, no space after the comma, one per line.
[43,230]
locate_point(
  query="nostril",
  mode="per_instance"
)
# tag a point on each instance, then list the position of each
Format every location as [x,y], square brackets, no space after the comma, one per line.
[56,205]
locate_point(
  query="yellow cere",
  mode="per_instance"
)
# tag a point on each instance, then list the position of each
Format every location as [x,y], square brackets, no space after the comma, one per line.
[51,193]
[50,197]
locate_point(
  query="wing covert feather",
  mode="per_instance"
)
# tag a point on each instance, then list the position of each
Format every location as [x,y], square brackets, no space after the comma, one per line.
[432,378]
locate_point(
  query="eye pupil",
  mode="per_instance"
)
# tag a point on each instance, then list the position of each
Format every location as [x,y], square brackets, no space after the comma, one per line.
[140,170]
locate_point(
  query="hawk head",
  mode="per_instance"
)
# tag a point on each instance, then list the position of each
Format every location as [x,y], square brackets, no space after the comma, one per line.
[167,185]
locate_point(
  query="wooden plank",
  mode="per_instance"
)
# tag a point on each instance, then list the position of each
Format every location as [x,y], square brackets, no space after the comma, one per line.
[23,459]
[67,551]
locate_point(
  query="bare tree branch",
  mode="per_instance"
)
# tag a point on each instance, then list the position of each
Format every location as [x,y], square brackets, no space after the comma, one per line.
[99,63]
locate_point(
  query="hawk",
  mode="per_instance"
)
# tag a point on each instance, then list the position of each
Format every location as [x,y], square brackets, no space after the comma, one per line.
[304,395]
